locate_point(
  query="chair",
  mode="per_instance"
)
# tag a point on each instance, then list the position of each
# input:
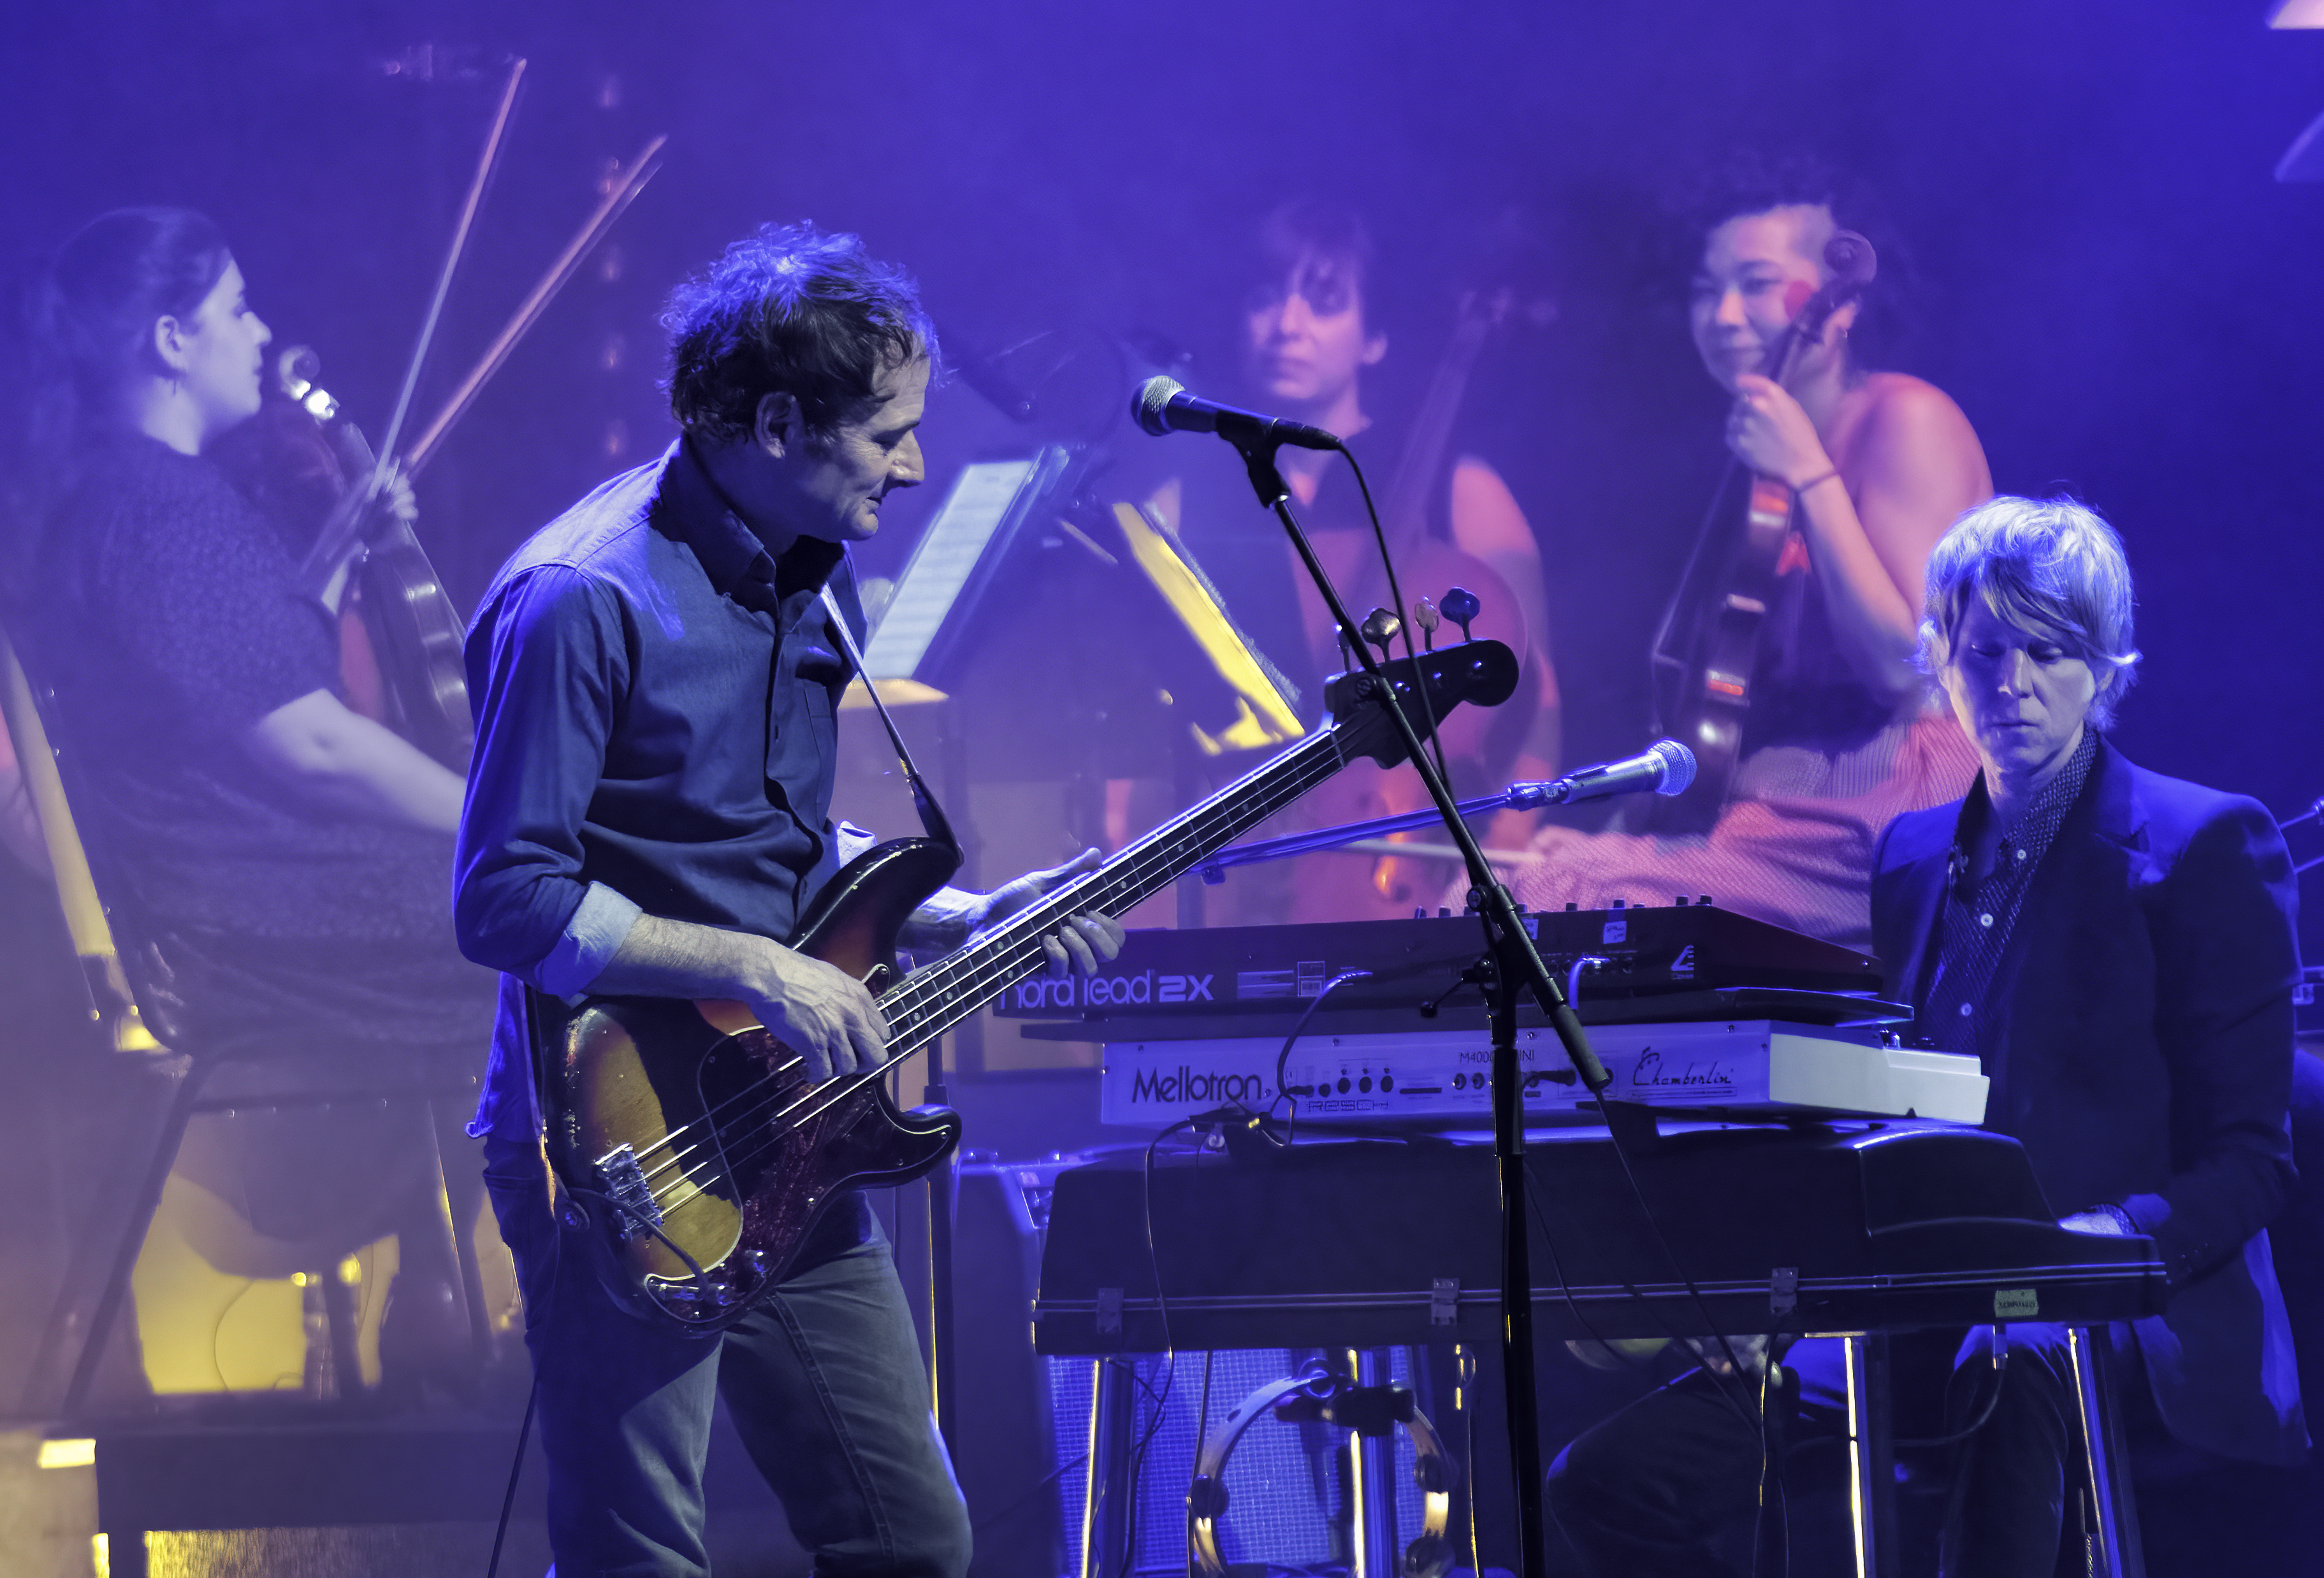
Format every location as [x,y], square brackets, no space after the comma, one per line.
[137,1014]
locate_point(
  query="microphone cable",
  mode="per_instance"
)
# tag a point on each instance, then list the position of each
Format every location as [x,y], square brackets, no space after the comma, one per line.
[1403,616]
[1736,1380]
[1161,1401]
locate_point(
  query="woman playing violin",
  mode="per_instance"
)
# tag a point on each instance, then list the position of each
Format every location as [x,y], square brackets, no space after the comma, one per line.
[1840,735]
[279,861]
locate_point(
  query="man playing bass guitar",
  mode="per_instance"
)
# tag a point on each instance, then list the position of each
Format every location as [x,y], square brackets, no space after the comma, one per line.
[1838,738]
[657,678]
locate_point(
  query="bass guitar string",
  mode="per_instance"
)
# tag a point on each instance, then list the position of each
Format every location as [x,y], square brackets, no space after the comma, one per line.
[1128,872]
[1011,956]
[1229,806]
[1017,945]
[1016,951]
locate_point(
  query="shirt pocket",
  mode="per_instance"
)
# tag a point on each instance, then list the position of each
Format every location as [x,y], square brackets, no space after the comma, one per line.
[802,724]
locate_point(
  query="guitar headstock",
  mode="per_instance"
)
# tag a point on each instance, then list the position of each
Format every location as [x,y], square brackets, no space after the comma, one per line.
[1484,673]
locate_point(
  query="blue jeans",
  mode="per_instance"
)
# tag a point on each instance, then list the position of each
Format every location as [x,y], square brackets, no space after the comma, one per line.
[822,1381]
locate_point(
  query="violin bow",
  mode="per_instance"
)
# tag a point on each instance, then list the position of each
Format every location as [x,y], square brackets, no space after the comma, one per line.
[494,139]
[333,546]
[617,198]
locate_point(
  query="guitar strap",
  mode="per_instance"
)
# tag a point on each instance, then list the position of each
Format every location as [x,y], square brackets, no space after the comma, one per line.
[932,817]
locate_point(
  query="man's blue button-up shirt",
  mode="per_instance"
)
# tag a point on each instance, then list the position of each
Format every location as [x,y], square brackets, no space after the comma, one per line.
[656,700]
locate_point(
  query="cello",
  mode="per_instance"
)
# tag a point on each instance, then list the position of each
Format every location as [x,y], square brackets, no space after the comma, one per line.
[1482,747]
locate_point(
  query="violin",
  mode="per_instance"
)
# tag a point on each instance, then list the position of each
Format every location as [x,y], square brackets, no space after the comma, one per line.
[1706,648]
[400,637]
[309,469]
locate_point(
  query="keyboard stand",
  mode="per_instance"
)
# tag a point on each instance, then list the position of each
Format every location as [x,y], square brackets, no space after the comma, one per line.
[2110,1513]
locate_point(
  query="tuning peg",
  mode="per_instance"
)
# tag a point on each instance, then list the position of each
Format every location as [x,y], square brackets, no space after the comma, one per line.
[1380,627]
[1424,615]
[1461,606]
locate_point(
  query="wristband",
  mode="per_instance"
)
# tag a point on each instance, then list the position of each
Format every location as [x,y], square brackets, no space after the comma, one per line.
[1801,490]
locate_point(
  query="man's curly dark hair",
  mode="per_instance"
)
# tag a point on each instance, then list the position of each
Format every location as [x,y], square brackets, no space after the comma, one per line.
[789,310]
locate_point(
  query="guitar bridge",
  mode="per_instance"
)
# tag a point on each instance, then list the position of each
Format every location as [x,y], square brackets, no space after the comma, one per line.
[625,1184]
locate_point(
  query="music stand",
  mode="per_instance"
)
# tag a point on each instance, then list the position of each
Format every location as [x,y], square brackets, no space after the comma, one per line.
[921,634]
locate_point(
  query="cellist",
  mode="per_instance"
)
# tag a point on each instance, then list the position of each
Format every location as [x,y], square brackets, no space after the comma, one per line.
[1310,331]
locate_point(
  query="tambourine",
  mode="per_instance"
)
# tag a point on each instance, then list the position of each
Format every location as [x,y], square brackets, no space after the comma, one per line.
[1339,1401]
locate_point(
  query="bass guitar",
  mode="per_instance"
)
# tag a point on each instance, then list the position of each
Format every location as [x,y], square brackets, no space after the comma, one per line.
[1708,645]
[690,1136]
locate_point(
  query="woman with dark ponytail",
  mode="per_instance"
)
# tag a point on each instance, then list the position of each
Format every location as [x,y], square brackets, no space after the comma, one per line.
[89,315]
[280,860]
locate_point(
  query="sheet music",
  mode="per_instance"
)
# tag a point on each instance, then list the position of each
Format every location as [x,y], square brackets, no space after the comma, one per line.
[941,565]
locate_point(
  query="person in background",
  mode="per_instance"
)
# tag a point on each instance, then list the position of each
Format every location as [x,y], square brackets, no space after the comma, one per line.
[1310,335]
[1840,736]
[277,860]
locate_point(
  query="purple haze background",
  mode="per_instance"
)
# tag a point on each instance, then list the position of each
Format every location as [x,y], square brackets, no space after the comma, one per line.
[2112,284]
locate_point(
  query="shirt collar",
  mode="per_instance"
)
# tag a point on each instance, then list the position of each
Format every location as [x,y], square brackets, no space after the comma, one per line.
[694,509]
[2039,825]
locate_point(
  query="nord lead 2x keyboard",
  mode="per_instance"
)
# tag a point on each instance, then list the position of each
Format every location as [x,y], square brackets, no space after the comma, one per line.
[1197,975]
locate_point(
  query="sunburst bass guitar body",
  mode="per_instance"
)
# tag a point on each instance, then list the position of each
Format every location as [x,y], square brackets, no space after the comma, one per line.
[692,1140]
[694,1137]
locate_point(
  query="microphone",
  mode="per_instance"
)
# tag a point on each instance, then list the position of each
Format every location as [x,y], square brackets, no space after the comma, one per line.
[1161,405]
[1665,767]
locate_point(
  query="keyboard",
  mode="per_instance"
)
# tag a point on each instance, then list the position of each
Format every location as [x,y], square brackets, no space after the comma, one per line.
[1438,1077]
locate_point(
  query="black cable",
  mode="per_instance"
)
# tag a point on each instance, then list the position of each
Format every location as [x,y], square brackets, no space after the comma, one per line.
[1752,1414]
[1646,1210]
[1299,1029]
[1984,1417]
[1564,1288]
[1034,1488]
[217,1337]
[1127,1367]
[1161,1400]
[1770,1484]
[1403,618]
[1750,1417]
[508,1497]
[1202,1428]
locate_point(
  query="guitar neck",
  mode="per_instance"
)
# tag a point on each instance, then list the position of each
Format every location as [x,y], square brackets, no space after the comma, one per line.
[929,1001]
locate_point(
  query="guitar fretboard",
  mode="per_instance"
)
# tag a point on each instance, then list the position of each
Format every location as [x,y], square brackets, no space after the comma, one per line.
[926,1004]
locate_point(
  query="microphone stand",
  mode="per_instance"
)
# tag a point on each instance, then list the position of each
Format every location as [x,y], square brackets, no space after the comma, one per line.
[1516,966]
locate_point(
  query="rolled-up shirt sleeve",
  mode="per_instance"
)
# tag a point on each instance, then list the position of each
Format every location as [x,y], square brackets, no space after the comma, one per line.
[548,666]
[588,942]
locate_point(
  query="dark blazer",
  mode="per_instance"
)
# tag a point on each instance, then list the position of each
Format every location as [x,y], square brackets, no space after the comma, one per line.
[2144,1060]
